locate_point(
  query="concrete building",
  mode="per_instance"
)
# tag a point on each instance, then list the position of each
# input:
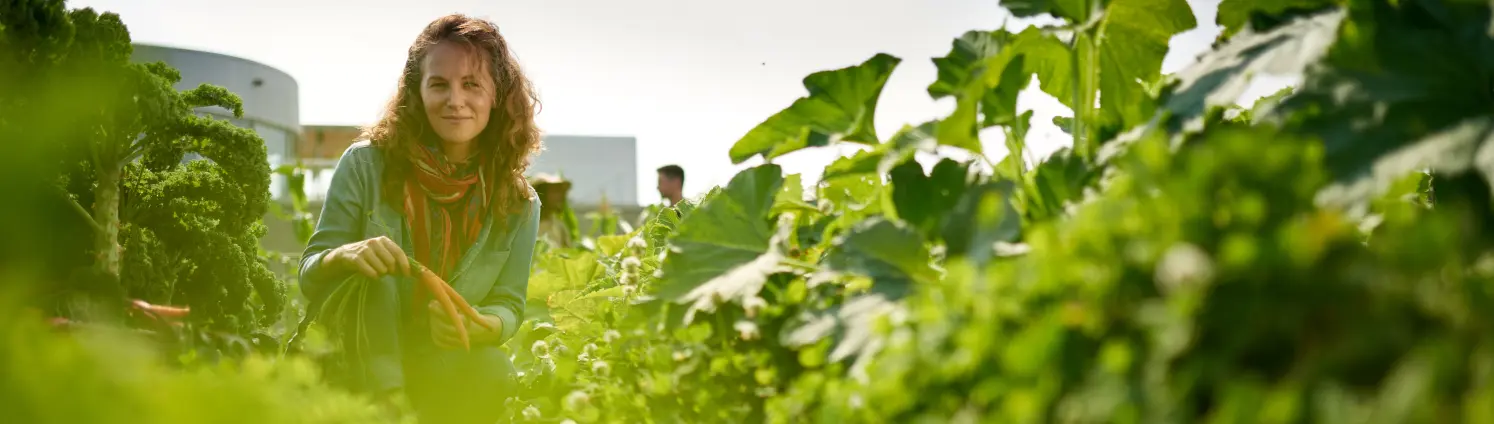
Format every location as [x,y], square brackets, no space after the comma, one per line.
[272,106]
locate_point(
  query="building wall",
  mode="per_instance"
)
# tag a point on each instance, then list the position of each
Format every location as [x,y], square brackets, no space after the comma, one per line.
[598,167]
[326,141]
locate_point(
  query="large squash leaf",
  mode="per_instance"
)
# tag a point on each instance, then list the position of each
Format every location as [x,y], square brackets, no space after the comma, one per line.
[1405,87]
[1221,75]
[841,105]
[1132,39]
[984,71]
[724,249]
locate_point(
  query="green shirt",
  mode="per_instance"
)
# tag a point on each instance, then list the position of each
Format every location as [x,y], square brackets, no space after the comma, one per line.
[493,274]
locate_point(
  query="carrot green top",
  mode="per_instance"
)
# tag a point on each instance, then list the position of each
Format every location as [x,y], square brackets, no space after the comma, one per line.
[492,273]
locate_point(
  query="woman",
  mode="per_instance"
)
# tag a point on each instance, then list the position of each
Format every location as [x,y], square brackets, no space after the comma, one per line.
[440,178]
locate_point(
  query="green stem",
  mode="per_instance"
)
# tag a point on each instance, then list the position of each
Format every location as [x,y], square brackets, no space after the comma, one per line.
[1086,83]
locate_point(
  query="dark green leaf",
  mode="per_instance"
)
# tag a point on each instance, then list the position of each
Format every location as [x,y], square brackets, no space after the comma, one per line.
[893,255]
[923,201]
[1233,15]
[1405,85]
[841,105]
[984,215]
[1055,183]
[1071,10]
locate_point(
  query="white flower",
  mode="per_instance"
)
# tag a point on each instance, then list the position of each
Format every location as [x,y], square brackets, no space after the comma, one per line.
[631,264]
[612,335]
[601,368]
[627,279]
[540,349]
[589,349]
[576,399]
[531,413]
[568,421]
[548,365]
[747,330]
[753,305]
[629,290]
[1183,265]
[637,245]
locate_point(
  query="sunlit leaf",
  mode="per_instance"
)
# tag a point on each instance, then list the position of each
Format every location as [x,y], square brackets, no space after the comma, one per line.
[880,160]
[1221,75]
[841,105]
[723,250]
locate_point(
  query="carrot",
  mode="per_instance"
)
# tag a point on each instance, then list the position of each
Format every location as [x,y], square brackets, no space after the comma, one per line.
[161,311]
[433,283]
[466,308]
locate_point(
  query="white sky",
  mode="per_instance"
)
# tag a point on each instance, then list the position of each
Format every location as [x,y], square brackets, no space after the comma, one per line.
[687,78]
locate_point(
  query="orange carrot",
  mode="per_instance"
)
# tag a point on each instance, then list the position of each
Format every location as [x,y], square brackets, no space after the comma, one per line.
[160,310]
[466,308]
[433,283]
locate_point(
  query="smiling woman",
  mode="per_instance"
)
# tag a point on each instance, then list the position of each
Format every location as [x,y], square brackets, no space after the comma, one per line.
[440,179]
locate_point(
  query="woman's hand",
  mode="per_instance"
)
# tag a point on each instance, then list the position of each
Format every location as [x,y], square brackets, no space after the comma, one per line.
[374,258]
[444,333]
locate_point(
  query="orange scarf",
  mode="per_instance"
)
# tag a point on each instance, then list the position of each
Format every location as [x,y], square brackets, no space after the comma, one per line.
[446,204]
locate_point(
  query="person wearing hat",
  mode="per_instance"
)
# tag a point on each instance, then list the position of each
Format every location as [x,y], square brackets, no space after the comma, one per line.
[552,192]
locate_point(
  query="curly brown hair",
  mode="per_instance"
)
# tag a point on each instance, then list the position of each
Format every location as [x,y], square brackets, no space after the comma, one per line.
[510,139]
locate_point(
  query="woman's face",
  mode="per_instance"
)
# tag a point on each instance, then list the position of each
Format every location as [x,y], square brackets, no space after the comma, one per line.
[458,92]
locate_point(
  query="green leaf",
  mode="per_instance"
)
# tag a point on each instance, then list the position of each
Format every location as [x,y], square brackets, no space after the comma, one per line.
[724,249]
[610,245]
[900,148]
[852,325]
[1135,36]
[923,201]
[1221,75]
[1071,10]
[1054,184]
[984,71]
[791,198]
[1233,15]
[558,273]
[841,105]
[1465,147]
[1064,123]
[893,255]
[1404,86]
[984,216]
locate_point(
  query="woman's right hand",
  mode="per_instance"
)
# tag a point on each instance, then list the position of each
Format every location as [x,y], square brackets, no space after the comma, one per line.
[374,258]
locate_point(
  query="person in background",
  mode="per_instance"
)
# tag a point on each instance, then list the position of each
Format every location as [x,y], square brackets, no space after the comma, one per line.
[672,183]
[552,191]
[438,179]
